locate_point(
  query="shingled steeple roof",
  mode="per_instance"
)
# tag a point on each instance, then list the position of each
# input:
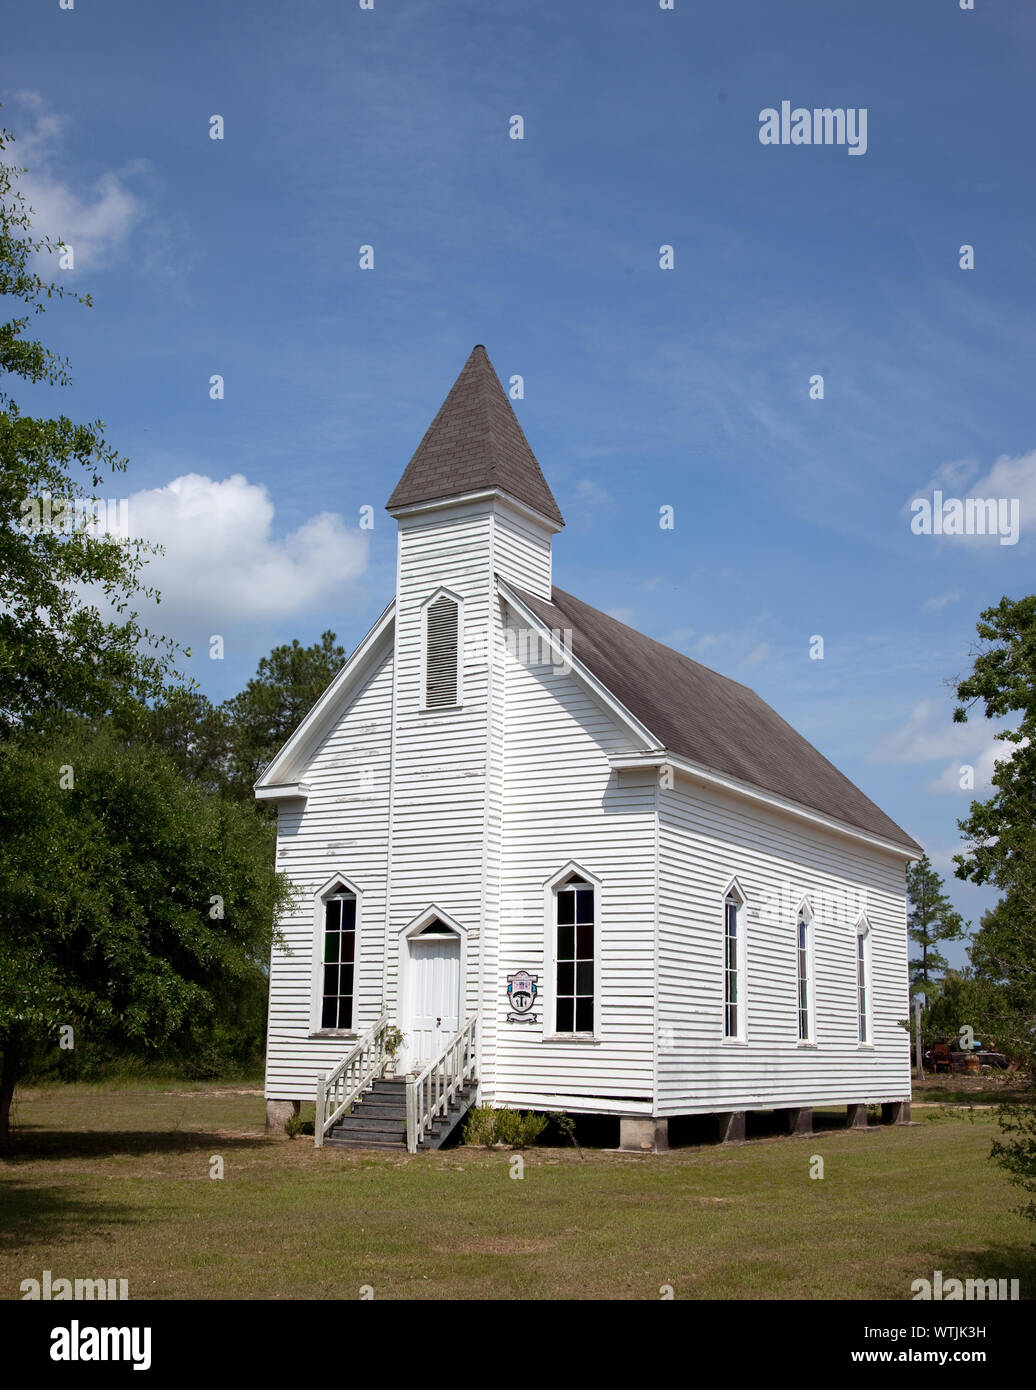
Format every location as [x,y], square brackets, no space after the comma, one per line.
[473,444]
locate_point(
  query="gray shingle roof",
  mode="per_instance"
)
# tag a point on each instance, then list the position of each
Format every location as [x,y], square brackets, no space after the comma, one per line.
[475,442]
[711,720]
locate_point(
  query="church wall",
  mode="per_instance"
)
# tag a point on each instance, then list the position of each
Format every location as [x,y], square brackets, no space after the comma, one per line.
[563,802]
[341,828]
[707,838]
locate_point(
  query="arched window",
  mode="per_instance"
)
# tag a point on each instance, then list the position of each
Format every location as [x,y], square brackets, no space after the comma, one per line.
[734,1016]
[863,983]
[575,953]
[804,971]
[337,991]
[441,649]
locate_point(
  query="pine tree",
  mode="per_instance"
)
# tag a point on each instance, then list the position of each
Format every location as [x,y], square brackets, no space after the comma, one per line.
[931,920]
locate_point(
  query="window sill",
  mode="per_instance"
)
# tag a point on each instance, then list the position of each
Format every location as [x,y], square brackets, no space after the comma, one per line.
[864,1047]
[805,1042]
[438,709]
[591,1038]
[334,1034]
[734,1042]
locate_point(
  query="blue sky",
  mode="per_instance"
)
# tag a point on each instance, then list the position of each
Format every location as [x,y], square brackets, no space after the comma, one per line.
[643,387]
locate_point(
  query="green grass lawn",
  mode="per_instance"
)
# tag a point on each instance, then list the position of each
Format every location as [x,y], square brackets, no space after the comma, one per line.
[116,1184]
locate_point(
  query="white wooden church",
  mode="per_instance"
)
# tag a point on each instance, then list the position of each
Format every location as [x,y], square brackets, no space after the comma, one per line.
[577,870]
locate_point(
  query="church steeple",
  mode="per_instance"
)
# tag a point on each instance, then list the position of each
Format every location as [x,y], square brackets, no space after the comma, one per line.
[474,445]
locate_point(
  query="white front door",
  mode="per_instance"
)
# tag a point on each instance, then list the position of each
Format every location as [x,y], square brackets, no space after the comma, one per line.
[434,995]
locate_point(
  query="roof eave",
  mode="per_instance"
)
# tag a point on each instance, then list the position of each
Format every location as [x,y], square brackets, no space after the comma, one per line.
[629,761]
[597,688]
[284,791]
[278,770]
[479,495]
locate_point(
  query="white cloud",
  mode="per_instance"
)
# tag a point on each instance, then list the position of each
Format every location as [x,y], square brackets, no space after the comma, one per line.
[950,477]
[930,735]
[1010,479]
[938,602]
[593,494]
[758,654]
[95,217]
[1013,477]
[941,861]
[222,563]
[982,767]
[621,615]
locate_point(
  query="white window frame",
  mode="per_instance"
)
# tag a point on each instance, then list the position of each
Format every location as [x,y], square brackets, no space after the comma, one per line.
[734,893]
[320,900]
[862,932]
[550,954]
[804,914]
[458,703]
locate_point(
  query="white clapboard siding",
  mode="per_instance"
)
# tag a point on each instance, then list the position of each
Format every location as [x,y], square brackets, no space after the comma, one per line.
[708,837]
[342,828]
[439,785]
[522,552]
[473,808]
[562,803]
[448,762]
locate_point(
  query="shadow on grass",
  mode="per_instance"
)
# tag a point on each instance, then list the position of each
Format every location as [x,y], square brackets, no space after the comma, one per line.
[831,1121]
[998,1262]
[32,1143]
[949,1095]
[37,1216]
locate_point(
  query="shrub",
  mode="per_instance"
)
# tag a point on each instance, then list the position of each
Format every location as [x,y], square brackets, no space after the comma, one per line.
[208,1065]
[511,1127]
[480,1126]
[566,1127]
[487,1126]
[1017,1154]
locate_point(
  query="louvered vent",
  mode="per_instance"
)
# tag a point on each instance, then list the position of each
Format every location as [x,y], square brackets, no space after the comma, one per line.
[440,684]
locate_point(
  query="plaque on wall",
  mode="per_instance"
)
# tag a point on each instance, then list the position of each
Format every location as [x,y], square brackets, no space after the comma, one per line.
[521,995]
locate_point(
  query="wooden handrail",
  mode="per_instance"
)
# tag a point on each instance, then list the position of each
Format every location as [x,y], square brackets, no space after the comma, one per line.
[353,1075]
[429,1094]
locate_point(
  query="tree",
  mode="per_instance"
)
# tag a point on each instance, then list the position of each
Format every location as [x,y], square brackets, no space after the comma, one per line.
[1003,954]
[932,919]
[57,651]
[1002,830]
[195,733]
[274,703]
[135,906]
[132,905]
[964,1000]
[1002,851]
[225,747]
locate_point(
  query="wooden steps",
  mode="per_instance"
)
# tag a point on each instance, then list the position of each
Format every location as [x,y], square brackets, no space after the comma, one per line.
[378,1119]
